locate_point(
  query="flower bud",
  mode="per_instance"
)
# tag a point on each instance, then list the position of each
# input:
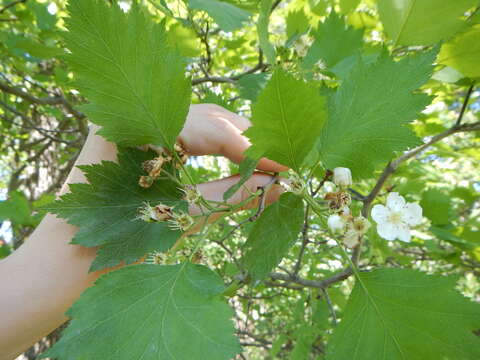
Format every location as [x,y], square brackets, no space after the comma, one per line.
[342,176]
[336,223]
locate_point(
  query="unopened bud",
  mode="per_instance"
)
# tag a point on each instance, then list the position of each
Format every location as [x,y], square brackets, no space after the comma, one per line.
[342,177]
[336,223]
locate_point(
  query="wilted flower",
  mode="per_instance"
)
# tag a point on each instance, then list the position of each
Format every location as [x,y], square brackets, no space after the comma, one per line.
[360,225]
[145,181]
[154,167]
[394,220]
[192,195]
[342,177]
[336,223]
[159,212]
[295,184]
[351,239]
[338,200]
[181,221]
[181,152]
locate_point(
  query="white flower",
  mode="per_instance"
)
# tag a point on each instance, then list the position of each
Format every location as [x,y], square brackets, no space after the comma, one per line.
[342,176]
[394,220]
[336,223]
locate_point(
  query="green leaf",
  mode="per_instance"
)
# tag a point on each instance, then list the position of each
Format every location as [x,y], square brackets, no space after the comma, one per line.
[227,16]
[297,23]
[412,22]
[436,206]
[247,167]
[463,52]
[368,114]
[348,5]
[262,29]
[273,234]
[150,312]
[334,41]
[405,314]
[17,209]
[135,83]
[106,208]
[287,120]
[250,85]
[45,20]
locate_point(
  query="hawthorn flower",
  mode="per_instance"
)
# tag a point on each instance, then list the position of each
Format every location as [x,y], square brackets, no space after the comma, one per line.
[150,213]
[192,195]
[394,220]
[342,176]
[336,223]
[181,221]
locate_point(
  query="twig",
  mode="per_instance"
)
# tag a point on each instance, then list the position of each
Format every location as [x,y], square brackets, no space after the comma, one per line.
[330,306]
[318,284]
[305,241]
[53,100]
[464,105]
[12,4]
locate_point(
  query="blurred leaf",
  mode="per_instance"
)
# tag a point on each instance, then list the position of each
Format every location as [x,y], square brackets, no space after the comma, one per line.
[463,52]
[436,206]
[412,22]
[184,40]
[297,23]
[334,41]
[250,85]
[263,33]
[348,5]
[226,15]
[45,20]
[17,209]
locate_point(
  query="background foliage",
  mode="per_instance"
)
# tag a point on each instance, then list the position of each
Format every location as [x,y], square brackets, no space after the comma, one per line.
[373,62]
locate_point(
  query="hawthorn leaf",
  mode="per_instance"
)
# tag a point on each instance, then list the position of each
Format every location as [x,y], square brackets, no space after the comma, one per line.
[226,15]
[150,312]
[105,210]
[369,113]
[334,41]
[412,22]
[463,52]
[134,81]
[297,23]
[400,314]
[437,206]
[273,234]
[262,29]
[250,85]
[287,120]
[246,168]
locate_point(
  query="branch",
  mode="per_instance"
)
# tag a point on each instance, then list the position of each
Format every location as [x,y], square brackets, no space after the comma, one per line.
[52,100]
[318,284]
[12,4]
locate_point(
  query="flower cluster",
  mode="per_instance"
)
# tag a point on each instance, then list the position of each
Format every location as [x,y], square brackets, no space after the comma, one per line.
[394,219]
[154,166]
[342,222]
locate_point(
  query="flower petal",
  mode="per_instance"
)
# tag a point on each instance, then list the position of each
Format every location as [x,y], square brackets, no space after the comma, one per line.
[387,230]
[412,214]
[403,233]
[395,202]
[380,214]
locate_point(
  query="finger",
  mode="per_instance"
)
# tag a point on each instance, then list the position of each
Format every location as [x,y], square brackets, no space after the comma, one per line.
[214,191]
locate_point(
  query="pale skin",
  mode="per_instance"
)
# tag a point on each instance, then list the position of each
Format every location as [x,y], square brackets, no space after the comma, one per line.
[45,276]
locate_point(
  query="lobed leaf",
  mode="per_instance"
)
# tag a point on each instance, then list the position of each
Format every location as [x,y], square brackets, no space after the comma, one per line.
[405,314]
[287,120]
[150,312]
[135,83]
[273,234]
[105,210]
[369,113]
